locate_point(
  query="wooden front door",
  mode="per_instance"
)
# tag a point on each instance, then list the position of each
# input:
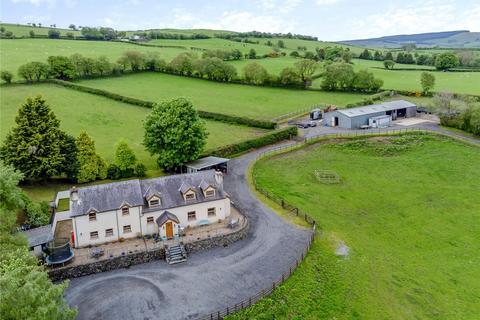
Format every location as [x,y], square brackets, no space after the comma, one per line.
[169,227]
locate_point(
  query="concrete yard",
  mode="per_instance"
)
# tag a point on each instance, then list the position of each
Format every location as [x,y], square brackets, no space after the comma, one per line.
[210,280]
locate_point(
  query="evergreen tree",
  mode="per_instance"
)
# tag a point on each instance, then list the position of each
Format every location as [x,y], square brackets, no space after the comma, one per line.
[91,165]
[175,133]
[33,146]
[70,166]
[124,156]
[389,56]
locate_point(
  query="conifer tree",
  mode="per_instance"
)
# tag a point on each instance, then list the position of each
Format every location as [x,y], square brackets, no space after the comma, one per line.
[91,165]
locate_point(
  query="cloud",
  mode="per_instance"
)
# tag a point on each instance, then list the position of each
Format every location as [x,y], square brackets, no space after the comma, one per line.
[247,21]
[284,6]
[326,2]
[35,2]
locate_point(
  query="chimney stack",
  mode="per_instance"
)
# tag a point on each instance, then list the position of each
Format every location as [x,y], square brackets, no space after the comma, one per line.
[74,194]
[219,179]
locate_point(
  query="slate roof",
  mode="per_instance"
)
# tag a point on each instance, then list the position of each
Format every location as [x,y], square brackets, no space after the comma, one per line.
[374,108]
[40,235]
[111,196]
[206,162]
[165,216]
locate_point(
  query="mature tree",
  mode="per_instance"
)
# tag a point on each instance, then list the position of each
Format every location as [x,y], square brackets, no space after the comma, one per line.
[133,59]
[69,150]
[53,34]
[11,196]
[34,71]
[153,62]
[2,29]
[378,56]
[175,133]
[309,55]
[443,103]
[182,64]
[389,56]
[9,34]
[364,81]
[289,77]
[424,59]
[338,76]
[124,156]
[91,165]
[216,69]
[31,33]
[466,57]
[103,65]
[280,44]
[446,61]
[388,64]
[70,35]
[252,54]
[72,26]
[61,67]
[366,54]
[255,73]
[6,76]
[33,146]
[427,79]
[305,69]
[294,54]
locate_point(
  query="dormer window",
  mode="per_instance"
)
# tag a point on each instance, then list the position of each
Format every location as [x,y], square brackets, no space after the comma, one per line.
[209,193]
[154,202]
[92,216]
[190,195]
[125,211]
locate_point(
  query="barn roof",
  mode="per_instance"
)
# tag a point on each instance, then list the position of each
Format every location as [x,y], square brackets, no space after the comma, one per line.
[375,108]
[206,162]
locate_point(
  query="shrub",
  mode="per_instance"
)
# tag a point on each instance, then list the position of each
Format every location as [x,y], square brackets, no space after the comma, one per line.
[140,170]
[6,76]
[113,172]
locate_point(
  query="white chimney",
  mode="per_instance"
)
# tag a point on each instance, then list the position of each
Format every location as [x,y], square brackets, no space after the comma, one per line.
[74,194]
[219,179]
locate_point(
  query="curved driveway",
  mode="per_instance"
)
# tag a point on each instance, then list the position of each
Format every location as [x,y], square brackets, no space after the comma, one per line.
[210,280]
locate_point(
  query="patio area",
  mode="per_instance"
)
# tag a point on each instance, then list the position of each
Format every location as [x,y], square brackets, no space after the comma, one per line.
[136,245]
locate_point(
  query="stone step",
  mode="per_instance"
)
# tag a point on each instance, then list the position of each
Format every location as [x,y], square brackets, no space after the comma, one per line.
[176,254]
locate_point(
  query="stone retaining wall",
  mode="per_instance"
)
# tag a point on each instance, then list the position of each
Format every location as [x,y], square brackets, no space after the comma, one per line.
[143,257]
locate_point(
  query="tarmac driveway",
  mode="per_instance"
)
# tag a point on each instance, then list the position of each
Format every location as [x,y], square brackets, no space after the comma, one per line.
[209,281]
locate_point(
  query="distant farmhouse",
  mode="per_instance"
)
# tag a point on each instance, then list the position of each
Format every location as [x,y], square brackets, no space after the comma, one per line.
[115,211]
[374,116]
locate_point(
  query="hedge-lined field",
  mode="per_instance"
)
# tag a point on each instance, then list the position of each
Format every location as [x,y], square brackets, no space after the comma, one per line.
[409,218]
[105,120]
[235,99]
[14,53]
[457,82]
[24,30]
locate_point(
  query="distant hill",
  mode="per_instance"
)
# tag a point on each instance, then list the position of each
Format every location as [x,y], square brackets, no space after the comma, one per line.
[447,39]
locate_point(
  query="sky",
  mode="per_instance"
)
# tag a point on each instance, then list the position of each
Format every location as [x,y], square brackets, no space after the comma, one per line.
[326,19]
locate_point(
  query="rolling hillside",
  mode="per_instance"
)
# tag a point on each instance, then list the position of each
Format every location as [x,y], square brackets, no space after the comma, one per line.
[447,39]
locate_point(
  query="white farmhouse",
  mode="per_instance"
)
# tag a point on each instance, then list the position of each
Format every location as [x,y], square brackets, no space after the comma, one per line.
[127,209]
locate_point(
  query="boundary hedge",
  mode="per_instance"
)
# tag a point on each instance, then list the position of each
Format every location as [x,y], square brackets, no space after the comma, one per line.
[264,124]
[246,145]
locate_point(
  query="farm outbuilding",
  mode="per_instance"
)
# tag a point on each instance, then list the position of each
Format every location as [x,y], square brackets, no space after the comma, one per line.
[359,117]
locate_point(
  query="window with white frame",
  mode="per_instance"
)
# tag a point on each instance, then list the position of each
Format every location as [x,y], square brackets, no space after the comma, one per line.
[211,212]
[210,193]
[94,235]
[125,211]
[127,229]
[192,215]
[109,232]
[149,219]
[92,216]
[154,202]
[190,195]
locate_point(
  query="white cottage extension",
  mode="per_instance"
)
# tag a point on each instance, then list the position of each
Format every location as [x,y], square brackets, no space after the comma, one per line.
[127,209]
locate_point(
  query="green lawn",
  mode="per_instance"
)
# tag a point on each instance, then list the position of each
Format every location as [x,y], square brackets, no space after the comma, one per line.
[14,53]
[458,82]
[107,121]
[410,217]
[250,101]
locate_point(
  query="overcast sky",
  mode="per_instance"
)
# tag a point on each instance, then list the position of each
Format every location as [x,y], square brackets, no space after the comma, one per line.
[327,19]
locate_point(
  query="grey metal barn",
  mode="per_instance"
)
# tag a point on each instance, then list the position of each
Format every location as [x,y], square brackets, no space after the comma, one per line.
[355,118]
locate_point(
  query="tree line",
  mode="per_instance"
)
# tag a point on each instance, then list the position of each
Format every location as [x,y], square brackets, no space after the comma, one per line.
[329,53]
[258,34]
[458,112]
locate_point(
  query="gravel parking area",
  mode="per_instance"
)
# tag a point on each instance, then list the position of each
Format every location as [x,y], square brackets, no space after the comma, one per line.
[209,281]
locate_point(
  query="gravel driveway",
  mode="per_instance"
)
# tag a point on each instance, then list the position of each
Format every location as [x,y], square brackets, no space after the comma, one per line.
[209,281]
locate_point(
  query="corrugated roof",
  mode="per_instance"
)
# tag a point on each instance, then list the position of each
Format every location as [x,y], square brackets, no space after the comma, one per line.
[206,162]
[374,108]
[111,196]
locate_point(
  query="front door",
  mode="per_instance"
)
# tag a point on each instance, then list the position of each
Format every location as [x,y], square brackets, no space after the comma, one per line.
[169,227]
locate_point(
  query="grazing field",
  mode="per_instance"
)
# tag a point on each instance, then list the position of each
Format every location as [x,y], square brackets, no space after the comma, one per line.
[406,207]
[458,82]
[24,30]
[107,121]
[236,99]
[273,65]
[14,53]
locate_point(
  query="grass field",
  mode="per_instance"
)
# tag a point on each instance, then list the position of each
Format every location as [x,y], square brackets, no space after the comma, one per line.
[250,101]
[14,53]
[273,65]
[24,30]
[107,121]
[458,82]
[408,210]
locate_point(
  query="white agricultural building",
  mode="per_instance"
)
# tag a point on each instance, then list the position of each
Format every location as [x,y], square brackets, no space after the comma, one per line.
[127,209]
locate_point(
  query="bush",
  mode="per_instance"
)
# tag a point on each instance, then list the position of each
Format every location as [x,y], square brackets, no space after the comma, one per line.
[114,172]
[53,34]
[6,76]
[246,145]
[37,213]
[140,170]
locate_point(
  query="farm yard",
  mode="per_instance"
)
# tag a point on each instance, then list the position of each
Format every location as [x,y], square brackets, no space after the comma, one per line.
[235,99]
[406,207]
[107,121]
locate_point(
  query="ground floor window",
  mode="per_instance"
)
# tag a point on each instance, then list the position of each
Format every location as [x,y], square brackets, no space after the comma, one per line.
[149,219]
[94,235]
[211,212]
[192,215]
[108,232]
[127,229]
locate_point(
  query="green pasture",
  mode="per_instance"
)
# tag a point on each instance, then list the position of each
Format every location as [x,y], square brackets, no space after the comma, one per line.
[105,120]
[273,65]
[407,209]
[235,99]
[14,53]
[24,30]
